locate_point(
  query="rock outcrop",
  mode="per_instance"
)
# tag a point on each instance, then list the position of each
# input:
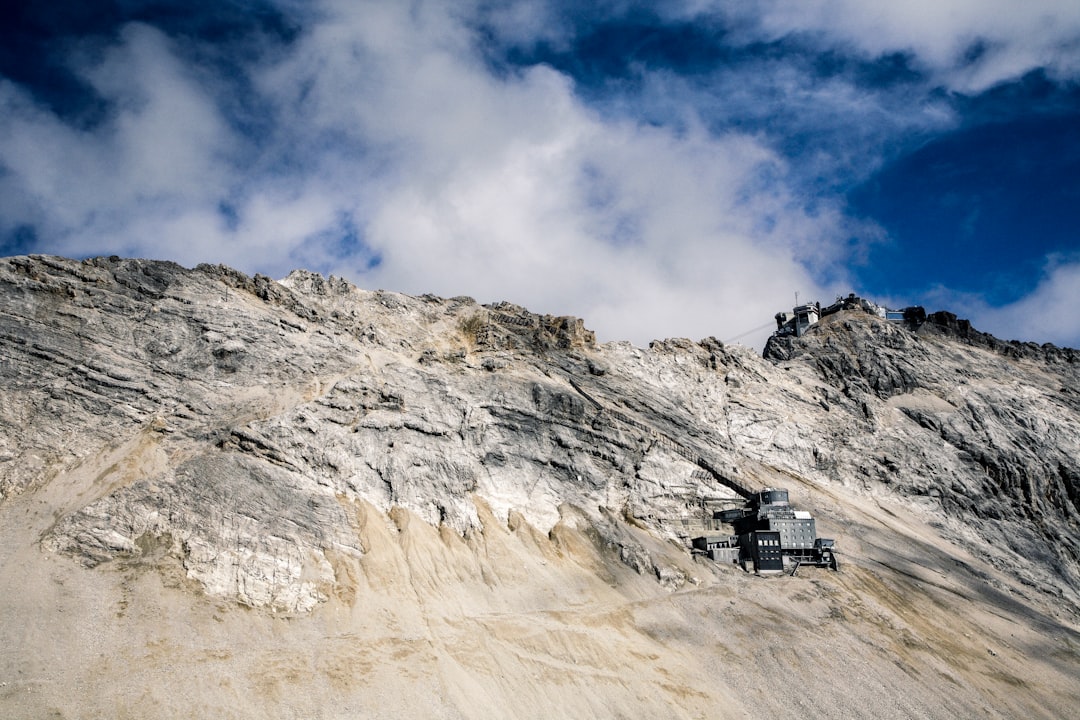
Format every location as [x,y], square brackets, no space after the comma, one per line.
[305,449]
[989,429]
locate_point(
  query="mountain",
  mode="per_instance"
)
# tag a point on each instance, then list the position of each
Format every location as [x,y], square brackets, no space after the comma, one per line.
[225,496]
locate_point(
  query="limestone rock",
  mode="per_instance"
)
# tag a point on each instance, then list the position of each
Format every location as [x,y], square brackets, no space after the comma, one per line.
[456,471]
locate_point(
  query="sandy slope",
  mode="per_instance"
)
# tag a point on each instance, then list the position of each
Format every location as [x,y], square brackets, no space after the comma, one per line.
[515,623]
[311,501]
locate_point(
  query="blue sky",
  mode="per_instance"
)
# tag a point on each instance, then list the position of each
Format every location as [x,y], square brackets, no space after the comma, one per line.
[670,168]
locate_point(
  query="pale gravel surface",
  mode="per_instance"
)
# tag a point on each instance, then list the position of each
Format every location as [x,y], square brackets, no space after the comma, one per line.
[229,497]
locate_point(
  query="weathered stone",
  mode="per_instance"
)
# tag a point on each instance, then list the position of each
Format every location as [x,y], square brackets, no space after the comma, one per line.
[261,438]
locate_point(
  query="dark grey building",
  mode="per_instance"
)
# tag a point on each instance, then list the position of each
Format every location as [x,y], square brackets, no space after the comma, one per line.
[766,551]
[770,533]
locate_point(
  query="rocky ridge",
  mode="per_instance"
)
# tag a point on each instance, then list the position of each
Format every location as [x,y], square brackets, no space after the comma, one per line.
[995,442]
[301,448]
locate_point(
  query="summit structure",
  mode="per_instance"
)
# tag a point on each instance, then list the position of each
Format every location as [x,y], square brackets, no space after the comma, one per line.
[803,317]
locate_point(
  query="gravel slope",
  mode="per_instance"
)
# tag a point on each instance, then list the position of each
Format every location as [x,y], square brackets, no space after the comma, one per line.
[226,496]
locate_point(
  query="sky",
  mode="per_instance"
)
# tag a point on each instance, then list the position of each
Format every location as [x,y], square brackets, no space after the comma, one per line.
[673,168]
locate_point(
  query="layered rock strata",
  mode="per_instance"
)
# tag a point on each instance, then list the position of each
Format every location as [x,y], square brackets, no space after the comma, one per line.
[304,447]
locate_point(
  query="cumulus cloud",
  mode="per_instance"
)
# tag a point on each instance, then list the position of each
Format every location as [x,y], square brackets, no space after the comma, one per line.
[511,188]
[381,145]
[159,158]
[1045,315]
[396,158]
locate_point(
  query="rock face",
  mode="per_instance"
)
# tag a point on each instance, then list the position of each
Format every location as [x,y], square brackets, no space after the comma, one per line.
[492,497]
[987,429]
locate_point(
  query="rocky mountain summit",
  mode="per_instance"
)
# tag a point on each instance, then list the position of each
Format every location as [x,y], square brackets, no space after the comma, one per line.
[232,496]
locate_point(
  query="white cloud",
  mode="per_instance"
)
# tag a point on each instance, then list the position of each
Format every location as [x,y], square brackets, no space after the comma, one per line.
[387,135]
[382,117]
[968,45]
[167,133]
[1048,314]
[510,188]
[159,155]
